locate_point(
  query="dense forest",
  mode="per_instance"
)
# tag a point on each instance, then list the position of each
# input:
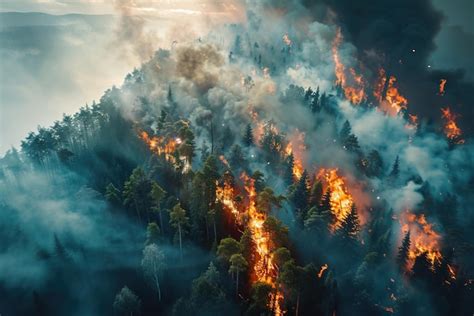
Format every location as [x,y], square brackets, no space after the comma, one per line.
[249,172]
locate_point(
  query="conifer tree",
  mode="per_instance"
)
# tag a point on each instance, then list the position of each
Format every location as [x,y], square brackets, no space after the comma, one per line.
[248,136]
[402,257]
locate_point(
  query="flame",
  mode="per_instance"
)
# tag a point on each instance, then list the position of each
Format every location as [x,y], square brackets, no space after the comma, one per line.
[452,272]
[423,238]
[224,161]
[442,86]
[324,267]
[351,82]
[264,270]
[412,122]
[451,129]
[226,195]
[395,100]
[287,40]
[297,147]
[392,102]
[379,86]
[341,199]
[258,127]
[162,147]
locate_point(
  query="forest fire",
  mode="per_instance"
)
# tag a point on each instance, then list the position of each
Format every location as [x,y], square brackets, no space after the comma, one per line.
[264,270]
[451,129]
[395,100]
[324,267]
[423,238]
[388,95]
[160,147]
[297,148]
[442,86]
[351,83]
[341,199]
[226,195]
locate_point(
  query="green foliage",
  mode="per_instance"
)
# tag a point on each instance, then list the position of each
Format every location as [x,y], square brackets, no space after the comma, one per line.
[152,234]
[227,248]
[403,251]
[127,303]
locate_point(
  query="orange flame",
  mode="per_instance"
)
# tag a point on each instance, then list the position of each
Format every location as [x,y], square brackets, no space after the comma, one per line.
[379,86]
[423,238]
[162,147]
[226,195]
[224,161]
[158,145]
[341,200]
[297,147]
[324,267]
[395,100]
[451,129]
[351,82]
[442,86]
[392,102]
[264,269]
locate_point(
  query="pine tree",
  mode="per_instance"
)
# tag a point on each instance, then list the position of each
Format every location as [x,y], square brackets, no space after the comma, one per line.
[350,227]
[248,136]
[395,169]
[375,164]
[301,195]
[315,102]
[325,205]
[345,131]
[288,172]
[403,250]
[316,194]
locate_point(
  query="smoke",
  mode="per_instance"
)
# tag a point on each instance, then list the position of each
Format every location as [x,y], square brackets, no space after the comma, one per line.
[132,34]
[198,65]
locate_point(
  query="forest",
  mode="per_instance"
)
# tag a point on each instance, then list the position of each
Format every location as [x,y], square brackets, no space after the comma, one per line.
[260,170]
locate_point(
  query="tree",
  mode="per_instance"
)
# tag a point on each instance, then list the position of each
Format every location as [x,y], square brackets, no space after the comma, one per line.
[278,232]
[59,250]
[289,165]
[228,247]
[248,136]
[315,105]
[300,195]
[153,263]
[136,191]
[206,292]
[247,244]
[291,276]
[126,302]
[152,233]
[395,169]
[237,264]
[179,220]
[403,250]
[260,294]
[375,164]
[422,268]
[348,140]
[266,198]
[236,160]
[112,194]
[281,256]
[157,194]
[316,194]
[350,226]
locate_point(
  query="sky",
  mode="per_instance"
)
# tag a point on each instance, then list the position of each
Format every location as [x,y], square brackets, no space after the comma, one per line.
[44,74]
